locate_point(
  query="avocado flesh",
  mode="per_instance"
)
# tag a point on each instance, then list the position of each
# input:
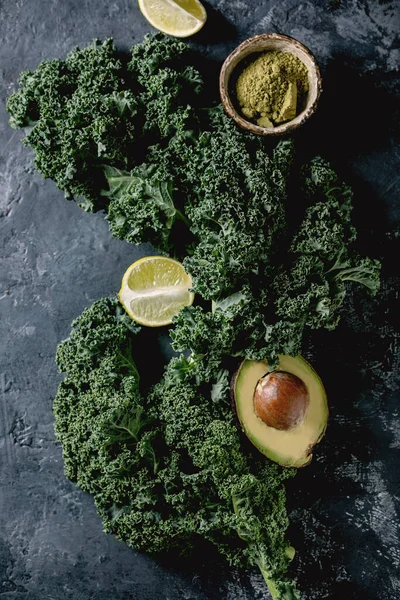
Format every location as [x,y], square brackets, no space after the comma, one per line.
[292,448]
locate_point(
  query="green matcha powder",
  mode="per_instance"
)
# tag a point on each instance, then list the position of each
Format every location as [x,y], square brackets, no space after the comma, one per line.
[270,89]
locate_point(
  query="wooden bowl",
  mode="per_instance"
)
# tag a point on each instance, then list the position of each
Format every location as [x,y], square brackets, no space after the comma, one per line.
[261,43]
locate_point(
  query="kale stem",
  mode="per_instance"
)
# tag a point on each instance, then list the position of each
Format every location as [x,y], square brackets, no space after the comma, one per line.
[278,588]
[182,217]
[270,582]
[123,428]
[129,363]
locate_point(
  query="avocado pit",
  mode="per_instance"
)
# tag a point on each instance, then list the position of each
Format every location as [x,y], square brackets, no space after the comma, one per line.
[281,400]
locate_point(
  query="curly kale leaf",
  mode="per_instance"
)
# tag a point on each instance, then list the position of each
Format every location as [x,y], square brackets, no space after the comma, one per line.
[168,85]
[73,108]
[313,290]
[170,467]
[88,111]
[208,336]
[112,444]
[326,227]
[154,53]
[94,334]
[141,206]
[350,267]
[259,506]
[236,207]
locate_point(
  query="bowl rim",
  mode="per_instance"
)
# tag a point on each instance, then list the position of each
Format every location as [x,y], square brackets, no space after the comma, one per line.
[227,103]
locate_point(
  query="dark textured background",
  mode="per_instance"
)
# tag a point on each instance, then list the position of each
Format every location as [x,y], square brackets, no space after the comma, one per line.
[55,260]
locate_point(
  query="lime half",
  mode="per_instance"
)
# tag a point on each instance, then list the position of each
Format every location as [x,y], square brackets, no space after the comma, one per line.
[179,18]
[154,289]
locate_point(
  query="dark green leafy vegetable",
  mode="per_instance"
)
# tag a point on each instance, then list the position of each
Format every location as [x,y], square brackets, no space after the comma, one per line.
[269,308]
[72,109]
[141,206]
[172,466]
[88,111]
[313,290]
[237,206]
[136,141]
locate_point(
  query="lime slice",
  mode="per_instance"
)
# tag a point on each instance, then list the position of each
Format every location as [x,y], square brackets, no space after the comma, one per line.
[154,289]
[179,18]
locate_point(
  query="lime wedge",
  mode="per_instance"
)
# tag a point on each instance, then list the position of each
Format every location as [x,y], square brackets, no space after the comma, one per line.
[179,18]
[154,289]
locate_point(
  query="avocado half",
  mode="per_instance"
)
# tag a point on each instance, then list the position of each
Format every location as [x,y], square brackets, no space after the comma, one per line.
[291,448]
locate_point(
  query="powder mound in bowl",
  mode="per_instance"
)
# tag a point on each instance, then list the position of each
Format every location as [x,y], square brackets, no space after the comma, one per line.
[271,88]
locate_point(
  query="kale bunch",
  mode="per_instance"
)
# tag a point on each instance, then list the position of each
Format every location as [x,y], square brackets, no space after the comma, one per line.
[77,115]
[168,467]
[301,283]
[92,111]
[236,207]
[133,138]
[136,140]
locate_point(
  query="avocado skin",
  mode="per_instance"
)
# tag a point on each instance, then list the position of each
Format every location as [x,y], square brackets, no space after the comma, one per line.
[232,395]
[306,455]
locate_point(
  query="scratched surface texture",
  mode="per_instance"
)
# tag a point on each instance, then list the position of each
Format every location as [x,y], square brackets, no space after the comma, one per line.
[55,260]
